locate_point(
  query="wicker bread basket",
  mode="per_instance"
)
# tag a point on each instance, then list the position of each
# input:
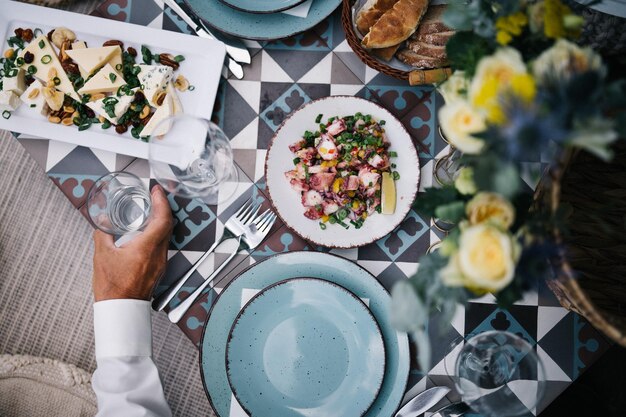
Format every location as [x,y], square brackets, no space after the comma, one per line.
[585,280]
[415,77]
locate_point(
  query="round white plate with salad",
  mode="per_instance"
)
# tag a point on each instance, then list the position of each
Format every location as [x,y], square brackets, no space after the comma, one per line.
[342,172]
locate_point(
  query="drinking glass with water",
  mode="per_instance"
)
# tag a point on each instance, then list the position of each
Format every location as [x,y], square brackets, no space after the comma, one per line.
[119,203]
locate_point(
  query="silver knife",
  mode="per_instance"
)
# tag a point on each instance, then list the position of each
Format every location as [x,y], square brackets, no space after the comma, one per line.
[233,66]
[237,52]
[423,402]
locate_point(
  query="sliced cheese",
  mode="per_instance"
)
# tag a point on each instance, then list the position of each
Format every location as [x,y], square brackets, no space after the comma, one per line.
[153,80]
[171,92]
[9,101]
[79,45]
[33,98]
[107,80]
[15,84]
[119,108]
[40,48]
[92,59]
[154,126]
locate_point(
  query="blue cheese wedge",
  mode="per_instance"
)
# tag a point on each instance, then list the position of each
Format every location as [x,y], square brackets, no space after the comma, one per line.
[92,59]
[107,80]
[154,126]
[153,80]
[9,101]
[45,59]
[34,99]
[15,83]
[115,105]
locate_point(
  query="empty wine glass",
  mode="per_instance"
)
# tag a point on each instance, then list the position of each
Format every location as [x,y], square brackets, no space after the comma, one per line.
[497,374]
[118,203]
[192,158]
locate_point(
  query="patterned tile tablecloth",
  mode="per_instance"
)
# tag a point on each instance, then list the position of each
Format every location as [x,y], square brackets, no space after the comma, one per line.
[283,76]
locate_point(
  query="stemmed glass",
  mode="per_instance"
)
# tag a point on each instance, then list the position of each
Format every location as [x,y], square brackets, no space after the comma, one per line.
[192,158]
[497,374]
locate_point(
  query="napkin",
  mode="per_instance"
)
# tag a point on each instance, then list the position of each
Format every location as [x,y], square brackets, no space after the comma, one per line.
[246,295]
[301,10]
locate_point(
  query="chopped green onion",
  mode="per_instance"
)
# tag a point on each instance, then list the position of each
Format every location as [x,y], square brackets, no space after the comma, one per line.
[84,126]
[332,219]
[146,55]
[112,77]
[37,32]
[396,175]
[41,44]
[296,161]
[12,73]
[179,58]
[33,105]
[31,69]
[106,124]
[393,165]
[15,41]
[56,80]
[191,88]
[110,100]
[46,59]
[382,123]
[393,154]
[6,114]
[322,226]
[119,67]
[342,214]
[319,118]
[306,172]
[19,61]
[136,70]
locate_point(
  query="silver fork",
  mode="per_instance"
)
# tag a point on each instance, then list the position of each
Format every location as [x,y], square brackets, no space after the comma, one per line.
[234,227]
[252,237]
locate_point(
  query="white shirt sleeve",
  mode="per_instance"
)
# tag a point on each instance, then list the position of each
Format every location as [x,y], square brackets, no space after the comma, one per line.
[126,381]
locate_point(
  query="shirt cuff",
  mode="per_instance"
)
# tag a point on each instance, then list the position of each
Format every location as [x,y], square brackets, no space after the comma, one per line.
[122,328]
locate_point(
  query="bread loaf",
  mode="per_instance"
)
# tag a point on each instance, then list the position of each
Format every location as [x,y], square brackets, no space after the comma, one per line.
[420,61]
[439,38]
[432,23]
[371,11]
[427,49]
[396,24]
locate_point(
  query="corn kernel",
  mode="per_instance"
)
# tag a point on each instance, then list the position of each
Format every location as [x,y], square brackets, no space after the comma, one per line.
[361,154]
[337,185]
[355,205]
[325,218]
[364,215]
[351,194]
[332,163]
[324,164]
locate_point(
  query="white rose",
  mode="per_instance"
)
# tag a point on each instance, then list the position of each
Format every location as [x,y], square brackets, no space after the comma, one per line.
[454,88]
[459,121]
[565,59]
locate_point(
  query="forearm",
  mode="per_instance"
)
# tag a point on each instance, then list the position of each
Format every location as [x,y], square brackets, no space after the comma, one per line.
[126,381]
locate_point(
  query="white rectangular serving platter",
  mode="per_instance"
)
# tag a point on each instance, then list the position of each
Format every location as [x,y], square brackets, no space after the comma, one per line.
[202,66]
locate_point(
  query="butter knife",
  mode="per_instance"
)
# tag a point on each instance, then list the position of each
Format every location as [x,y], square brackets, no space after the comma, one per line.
[423,402]
[234,48]
[233,66]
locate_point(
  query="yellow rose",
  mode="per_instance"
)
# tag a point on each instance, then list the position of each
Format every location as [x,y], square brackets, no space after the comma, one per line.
[565,59]
[494,76]
[491,208]
[485,260]
[459,121]
[455,87]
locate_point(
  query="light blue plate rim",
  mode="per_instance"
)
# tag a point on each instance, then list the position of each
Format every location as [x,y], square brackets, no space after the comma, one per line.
[350,294]
[252,6]
[355,278]
[259,26]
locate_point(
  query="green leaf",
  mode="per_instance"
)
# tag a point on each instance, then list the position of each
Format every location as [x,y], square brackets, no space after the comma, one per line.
[427,203]
[465,49]
[452,212]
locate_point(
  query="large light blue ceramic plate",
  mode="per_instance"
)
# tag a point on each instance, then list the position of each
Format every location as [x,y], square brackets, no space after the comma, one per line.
[302,264]
[305,347]
[262,6]
[260,26]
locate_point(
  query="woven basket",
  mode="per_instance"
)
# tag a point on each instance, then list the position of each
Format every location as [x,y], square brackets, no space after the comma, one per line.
[415,77]
[581,283]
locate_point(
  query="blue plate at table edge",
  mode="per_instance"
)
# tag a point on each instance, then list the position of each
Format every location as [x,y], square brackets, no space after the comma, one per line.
[215,14]
[343,291]
[235,4]
[396,342]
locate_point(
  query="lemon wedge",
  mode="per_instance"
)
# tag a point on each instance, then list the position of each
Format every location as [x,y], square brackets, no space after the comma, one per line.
[388,200]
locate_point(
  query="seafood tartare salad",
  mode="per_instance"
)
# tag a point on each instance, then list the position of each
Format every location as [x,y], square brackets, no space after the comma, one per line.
[340,170]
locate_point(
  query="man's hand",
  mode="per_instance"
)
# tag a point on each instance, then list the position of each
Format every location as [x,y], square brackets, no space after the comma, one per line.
[132,270]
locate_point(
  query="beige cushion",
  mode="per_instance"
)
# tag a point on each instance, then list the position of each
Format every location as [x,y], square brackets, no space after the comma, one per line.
[34,387]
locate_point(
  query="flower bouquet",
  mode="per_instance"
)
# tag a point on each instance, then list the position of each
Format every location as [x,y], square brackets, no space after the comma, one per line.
[522,91]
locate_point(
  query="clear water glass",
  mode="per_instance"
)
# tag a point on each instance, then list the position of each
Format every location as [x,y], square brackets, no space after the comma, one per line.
[119,203]
[499,374]
[192,158]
